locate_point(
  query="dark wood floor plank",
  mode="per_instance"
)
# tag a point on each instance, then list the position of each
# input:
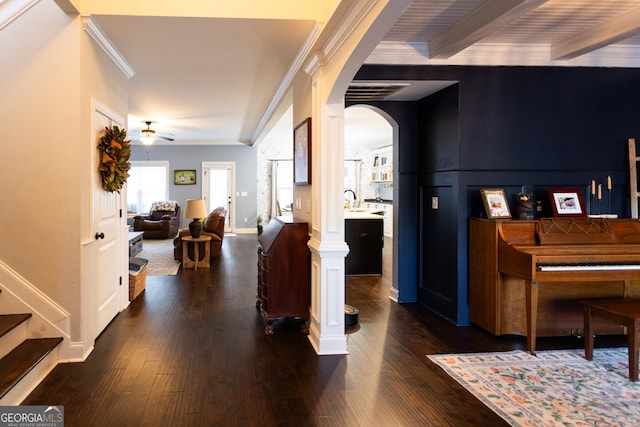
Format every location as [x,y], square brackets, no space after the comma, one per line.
[191,350]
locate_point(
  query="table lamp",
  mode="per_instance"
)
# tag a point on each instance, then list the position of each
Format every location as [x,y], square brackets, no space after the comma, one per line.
[195,209]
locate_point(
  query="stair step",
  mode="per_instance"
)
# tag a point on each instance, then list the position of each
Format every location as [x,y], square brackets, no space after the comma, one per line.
[10,321]
[21,360]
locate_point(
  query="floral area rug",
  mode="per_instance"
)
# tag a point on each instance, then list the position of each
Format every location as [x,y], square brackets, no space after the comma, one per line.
[550,388]
[159,253]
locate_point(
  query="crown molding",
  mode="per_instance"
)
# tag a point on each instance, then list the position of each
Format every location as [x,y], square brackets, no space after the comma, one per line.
[91,27]
[352,20]
[10,10]
[340,35]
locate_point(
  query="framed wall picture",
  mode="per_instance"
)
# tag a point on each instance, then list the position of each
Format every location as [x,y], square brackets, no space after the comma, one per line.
[184,177]
[302,153]
[567,202]
[495,203]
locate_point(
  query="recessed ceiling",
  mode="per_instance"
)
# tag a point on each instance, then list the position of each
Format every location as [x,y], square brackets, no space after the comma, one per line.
[204,79]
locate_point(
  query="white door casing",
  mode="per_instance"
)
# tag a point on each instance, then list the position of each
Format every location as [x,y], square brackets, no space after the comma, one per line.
[219,189]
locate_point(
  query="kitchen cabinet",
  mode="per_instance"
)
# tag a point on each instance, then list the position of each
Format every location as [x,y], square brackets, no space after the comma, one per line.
[364,236]
[386,209]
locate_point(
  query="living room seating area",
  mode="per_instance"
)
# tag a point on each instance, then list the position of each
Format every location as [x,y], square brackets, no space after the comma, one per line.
[213,227]
[162,222]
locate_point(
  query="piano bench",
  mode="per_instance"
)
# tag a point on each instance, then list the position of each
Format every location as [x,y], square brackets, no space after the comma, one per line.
[625,312]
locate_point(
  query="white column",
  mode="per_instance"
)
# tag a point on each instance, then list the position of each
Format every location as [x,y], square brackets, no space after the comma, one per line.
[328,248]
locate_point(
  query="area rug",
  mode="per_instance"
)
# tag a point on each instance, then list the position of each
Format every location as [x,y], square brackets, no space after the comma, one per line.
[550,388]
[159,253]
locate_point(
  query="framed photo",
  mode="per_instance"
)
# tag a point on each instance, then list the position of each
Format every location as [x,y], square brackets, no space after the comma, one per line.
[184,177]
[567,202]
[302,153]
[495,203]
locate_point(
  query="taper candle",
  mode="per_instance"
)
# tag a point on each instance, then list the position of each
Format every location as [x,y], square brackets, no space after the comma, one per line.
[593,187]
[599,191]
[609,182]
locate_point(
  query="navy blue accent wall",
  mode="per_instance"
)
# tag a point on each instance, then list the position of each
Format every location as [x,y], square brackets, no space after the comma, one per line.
[506,127]
[438,130]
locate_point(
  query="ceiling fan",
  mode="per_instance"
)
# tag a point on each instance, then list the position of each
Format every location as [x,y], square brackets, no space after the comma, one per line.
[148,135]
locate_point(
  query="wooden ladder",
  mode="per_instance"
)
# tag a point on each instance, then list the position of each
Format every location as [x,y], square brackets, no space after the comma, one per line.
[633,177]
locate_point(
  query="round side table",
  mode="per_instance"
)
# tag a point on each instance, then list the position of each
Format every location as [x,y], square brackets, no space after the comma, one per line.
[193,263]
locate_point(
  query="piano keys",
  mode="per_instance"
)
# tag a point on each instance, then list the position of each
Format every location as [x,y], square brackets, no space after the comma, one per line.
[587,267]
[526,276]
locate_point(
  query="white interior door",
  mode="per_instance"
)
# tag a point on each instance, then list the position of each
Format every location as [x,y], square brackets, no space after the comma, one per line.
[107,229]
[218,189]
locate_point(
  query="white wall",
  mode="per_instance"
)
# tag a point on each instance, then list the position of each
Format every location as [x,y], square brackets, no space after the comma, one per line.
[41,141]
[48,75]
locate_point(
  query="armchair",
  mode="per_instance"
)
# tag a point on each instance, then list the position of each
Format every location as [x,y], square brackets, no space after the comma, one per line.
[213,227]
[162,222]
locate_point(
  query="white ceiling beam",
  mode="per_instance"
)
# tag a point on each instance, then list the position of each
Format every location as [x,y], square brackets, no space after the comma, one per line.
[477,24]
[67,6]
[613,30]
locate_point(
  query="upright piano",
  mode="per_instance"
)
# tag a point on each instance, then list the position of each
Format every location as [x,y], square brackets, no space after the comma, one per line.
[527,276]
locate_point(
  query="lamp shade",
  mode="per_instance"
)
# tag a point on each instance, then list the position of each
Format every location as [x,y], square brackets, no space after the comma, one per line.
[147,139]
[195,208]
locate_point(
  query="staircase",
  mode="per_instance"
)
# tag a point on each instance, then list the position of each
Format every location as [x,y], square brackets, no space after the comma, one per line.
[24,361]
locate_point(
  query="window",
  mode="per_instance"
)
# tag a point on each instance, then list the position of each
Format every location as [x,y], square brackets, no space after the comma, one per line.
[147,183]
[285,185]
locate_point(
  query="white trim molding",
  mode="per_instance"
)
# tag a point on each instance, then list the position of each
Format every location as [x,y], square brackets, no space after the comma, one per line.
[91,27]
[48,318]
[10,10]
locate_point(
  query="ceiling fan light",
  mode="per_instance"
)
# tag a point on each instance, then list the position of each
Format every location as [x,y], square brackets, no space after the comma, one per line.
[147,138]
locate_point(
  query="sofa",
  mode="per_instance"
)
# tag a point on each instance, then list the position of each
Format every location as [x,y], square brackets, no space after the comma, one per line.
[213,227]
[162,222]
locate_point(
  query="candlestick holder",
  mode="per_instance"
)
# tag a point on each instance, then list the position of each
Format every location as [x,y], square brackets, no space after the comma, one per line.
[609,203]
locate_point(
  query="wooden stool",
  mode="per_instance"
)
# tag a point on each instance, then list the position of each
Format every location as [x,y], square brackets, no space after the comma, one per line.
[622,311]
[189,263]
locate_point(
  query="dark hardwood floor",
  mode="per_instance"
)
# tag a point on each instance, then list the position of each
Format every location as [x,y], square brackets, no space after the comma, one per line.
[191,351]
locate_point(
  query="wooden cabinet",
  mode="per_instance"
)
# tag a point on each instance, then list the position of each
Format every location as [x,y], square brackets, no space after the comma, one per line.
[284,272]
[135,243]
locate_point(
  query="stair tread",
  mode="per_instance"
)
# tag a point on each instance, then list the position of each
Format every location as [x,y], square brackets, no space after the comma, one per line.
[15,365]
[10,321]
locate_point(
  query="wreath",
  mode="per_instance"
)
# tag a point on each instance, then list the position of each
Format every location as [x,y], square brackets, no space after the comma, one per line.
[115,151]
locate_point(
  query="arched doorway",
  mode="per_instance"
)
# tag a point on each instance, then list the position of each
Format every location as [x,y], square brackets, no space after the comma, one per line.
[370,146]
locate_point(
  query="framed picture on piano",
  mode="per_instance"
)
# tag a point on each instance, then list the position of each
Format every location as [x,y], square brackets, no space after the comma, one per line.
[567,202]
[495,203]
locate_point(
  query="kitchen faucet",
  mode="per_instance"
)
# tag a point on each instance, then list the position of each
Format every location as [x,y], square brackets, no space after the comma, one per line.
[355,198]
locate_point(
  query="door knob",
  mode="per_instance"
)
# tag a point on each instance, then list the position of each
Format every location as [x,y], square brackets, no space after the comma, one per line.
[99,236]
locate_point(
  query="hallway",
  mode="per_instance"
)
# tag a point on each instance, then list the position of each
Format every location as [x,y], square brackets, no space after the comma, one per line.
[191,351]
